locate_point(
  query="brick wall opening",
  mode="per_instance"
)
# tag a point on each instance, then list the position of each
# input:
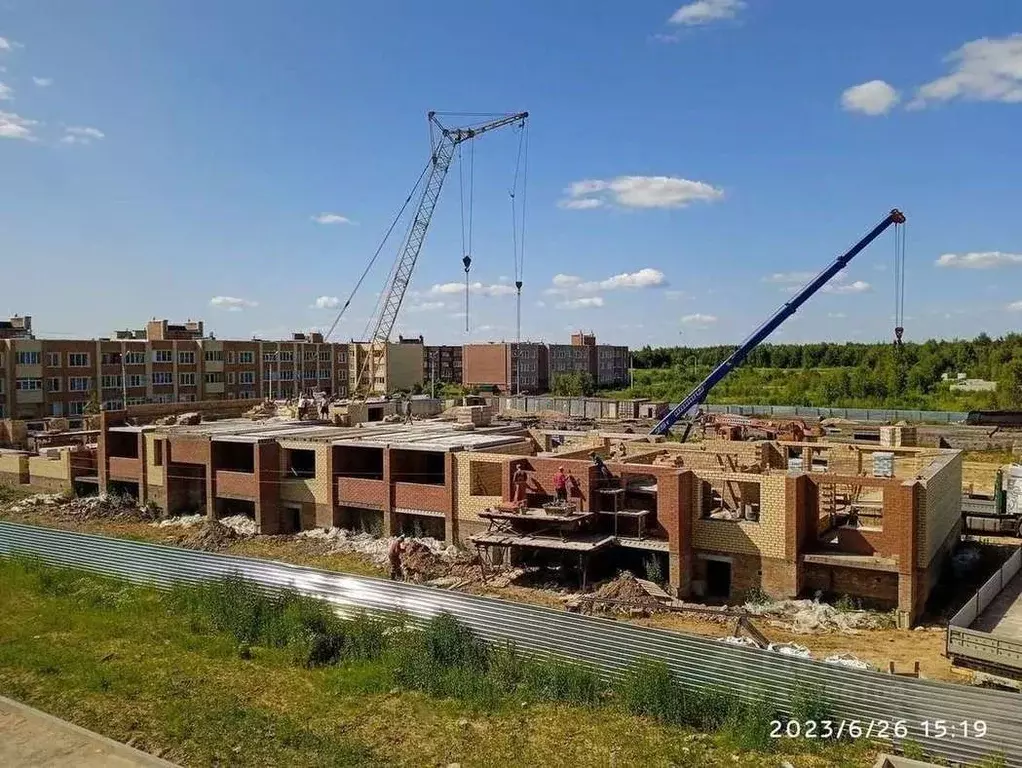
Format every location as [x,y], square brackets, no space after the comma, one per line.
[425,467]
[730,500]
[231,507]
[844,505]
[361,520]
[186,489]
[122,444]
[485,479]
[122,488]
[356,461]
[421,526]
[234,457]
[300,462]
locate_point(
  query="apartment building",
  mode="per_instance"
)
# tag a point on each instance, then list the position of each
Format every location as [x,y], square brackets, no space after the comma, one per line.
[442,364]
[16,327]
[394,366]
[506,366]
[490,365]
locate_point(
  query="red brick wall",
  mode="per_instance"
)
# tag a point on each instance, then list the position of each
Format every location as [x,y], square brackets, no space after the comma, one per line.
[121,468]
[486,364]
[189,450]
[236,485]
[433,498]
[360,492]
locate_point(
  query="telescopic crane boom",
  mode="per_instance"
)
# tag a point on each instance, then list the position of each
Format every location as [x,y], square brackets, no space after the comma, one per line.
[444,143]
[687,407]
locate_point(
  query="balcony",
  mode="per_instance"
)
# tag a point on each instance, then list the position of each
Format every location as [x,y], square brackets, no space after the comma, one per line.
[360,492]
[122,468]
[236,485]
[427,497]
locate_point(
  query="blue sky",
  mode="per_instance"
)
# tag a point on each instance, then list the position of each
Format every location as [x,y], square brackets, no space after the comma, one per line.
[688,164]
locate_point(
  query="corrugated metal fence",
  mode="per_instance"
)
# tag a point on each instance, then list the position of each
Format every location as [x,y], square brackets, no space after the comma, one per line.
[603,643]
[601,408]
[984,647]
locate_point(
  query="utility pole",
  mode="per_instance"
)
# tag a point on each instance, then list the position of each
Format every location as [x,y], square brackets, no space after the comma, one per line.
[432,376]
[631,372]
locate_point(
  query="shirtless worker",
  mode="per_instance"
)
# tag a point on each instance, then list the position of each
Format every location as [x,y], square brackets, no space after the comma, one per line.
[520,482]
[397,546]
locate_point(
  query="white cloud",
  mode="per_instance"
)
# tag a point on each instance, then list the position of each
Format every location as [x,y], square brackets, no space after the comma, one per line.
[1015,306]
[326,302]
[979,260]
[706,11]
[699,320]
[647,277]
[639,192]
[585,302]
[14,126]
[873,98]
[43,82]
[331,218]
[988,69]
[231,303]
[496,289]
[675,294]
[426,306]
[789,278]
[6,92]
[6,45]
[858,286]
[81,134]
[837,315]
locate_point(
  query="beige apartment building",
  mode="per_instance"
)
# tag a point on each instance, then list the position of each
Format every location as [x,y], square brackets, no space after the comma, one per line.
[171,363]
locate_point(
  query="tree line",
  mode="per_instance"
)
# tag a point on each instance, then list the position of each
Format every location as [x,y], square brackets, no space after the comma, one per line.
[842,374]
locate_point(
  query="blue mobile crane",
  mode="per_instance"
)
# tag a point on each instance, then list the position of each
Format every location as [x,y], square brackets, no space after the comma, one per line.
[687,408]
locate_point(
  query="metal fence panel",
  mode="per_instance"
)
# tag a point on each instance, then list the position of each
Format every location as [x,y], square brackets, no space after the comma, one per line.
[608,645]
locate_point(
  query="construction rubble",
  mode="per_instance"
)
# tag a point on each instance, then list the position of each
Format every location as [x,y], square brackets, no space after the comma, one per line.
[83,508]
[813,616]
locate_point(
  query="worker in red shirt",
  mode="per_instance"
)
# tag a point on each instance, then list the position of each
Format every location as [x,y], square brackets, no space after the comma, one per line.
[561,485]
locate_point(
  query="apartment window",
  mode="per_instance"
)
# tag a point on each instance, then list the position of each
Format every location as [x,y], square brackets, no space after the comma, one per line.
[157,453]
[230,358]
[324,355]
[53,359]
[136,401]
[79,384]
[53,384]
[269,357]
[186,379]
[247,394]
[246,357]
[111,382]
[186,358]
[28,385]
[163,356]
[247,377]
[78,359]
[310,355]
[163,377]
[112,405]
[28,358]
[214,378]
[56,409]
[2,413]
[231,377]
[231,396]
[287,357]
[309,374]
[287,375]
[136,380]
[214,356]
[186,399]
[77,408]
[163,398]
[324,373]
[110,358]
[134,358]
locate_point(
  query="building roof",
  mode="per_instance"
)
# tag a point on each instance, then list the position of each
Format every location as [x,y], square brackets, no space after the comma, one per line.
[423,435]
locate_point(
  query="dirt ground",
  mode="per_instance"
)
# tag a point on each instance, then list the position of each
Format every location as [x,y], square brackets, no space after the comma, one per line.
[876,646]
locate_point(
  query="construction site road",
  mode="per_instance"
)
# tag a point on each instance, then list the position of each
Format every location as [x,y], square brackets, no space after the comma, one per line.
[33,739]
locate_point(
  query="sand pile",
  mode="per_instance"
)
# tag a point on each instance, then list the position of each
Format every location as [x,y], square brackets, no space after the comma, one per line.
[624,587]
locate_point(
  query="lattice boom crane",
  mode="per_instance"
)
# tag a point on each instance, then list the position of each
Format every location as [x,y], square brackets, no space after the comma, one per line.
[444,144]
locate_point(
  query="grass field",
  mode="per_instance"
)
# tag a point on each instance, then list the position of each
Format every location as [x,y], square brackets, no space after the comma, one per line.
[223,677]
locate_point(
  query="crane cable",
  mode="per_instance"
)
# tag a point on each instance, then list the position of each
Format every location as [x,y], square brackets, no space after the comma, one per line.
[899,282]
[466,244]
[376,255]
[518,253]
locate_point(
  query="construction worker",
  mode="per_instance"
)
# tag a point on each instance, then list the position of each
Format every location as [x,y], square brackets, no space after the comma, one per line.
[520,483]
[601,468]
[561,485]
[397,546]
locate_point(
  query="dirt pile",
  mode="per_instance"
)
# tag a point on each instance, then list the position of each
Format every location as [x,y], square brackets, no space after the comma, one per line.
[211,536]
[624,588]
[420,563]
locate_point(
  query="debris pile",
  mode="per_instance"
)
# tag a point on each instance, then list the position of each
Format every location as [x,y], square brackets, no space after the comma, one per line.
[743,641]
[624,588]
[184,521]
[240,524]
[814,616]
[375,548]
[182,419]
[264,410]
[847,660]
[102,507]
[790,649]
[211,536]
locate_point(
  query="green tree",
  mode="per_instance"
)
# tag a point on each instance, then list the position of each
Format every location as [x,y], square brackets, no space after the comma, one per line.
[92,407]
